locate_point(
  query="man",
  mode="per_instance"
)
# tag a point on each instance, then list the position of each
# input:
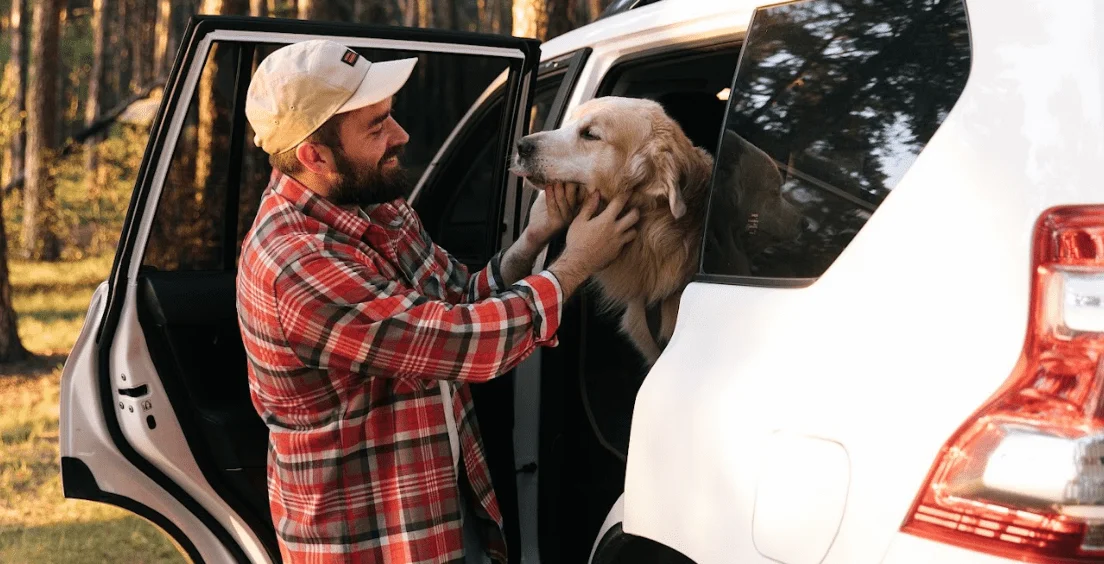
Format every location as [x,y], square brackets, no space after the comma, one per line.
[362,335]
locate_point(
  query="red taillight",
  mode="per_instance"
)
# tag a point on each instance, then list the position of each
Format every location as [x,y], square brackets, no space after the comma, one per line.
[1024,476]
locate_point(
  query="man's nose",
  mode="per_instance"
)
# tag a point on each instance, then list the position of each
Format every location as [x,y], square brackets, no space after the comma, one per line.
[526,147]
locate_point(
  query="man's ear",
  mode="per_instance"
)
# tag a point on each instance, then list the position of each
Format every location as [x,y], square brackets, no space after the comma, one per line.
[316,158]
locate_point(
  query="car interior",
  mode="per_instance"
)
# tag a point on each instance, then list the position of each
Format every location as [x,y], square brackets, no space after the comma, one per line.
[589,383]
[186,307]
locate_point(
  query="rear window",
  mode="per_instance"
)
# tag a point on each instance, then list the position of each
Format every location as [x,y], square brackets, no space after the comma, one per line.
[831,104]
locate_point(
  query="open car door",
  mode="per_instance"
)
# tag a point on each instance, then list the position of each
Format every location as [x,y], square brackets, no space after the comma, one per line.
[156,415]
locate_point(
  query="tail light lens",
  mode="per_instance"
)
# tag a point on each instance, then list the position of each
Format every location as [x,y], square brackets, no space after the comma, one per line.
[1024,476]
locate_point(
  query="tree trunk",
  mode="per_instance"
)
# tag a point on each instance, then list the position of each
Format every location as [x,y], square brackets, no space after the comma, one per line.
[119,47]
[161,38]
[530,18]
[410,13]
[11,348]
[93,108]
[133,31]
[39,240]
[594,9]
[561,18]
[370,12]
[16,76]
[181,10]
[212,148]
[325,10]
[425,14]
[258,8]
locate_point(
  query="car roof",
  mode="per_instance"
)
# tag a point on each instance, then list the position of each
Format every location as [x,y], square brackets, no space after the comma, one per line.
[635,18]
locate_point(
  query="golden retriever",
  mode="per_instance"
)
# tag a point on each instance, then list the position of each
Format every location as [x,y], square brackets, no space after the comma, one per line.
[615,144]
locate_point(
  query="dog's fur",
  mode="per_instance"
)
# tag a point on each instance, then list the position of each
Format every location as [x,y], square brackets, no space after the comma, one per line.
[613,145]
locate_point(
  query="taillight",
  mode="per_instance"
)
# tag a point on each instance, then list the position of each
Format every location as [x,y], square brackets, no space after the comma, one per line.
[1024,476]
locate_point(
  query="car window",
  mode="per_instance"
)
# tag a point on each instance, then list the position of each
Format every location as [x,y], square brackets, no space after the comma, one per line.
[467,221]
[194,228]
[830,105]
[187,231]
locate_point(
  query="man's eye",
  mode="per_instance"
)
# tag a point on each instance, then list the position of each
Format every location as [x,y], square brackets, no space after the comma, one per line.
[588,134]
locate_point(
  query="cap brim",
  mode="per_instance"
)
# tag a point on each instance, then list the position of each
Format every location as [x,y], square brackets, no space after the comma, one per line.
[382,81]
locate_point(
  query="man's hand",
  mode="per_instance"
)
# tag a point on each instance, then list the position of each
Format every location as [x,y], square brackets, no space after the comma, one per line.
[594,241]
[553,210]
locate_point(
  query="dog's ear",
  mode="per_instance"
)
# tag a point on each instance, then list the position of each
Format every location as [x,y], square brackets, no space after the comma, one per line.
[665,156]
[668,177]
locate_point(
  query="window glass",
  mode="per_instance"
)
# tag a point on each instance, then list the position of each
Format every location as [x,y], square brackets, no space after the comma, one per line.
[465,231]
[187,231]
[832,102]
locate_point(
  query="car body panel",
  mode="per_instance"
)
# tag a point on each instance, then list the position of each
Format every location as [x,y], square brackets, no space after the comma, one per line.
[913,327]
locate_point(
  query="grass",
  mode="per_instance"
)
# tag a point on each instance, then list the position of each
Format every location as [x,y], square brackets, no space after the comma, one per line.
[37,525]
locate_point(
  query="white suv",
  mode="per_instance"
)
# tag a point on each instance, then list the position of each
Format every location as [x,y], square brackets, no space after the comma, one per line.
[916,378]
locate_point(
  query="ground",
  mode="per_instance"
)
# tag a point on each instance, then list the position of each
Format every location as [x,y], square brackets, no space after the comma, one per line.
[36,523]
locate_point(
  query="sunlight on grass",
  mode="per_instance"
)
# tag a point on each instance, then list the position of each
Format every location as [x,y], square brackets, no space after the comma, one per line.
[37,524]
[51,300]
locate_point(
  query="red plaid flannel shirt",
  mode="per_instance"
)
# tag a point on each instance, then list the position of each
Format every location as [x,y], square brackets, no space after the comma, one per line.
[348,326]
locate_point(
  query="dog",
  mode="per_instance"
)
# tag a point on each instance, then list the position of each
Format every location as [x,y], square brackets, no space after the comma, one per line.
[614,145]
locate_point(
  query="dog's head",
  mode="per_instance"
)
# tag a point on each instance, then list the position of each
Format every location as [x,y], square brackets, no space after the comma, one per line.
[613,145]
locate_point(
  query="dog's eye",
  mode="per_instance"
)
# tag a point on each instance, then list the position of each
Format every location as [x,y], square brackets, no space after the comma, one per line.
[588,134]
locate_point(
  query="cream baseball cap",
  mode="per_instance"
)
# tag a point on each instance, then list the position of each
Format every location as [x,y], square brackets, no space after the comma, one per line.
[300,86]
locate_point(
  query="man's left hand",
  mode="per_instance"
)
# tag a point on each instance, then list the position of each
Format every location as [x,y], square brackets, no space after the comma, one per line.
[554,209]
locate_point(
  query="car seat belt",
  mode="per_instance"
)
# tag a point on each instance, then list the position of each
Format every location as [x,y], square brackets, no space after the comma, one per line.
[450,424]
[653,314]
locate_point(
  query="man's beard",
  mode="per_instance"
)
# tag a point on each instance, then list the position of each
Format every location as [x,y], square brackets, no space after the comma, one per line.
[364,185]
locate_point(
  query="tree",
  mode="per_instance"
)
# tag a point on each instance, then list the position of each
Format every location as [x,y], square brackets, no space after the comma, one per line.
[325,10]
[594,9]
[11,348]
[39,239]
[560,18]
[212,148]
[15,76]
[530,18]
[370,11]
[95,104]
[161,38]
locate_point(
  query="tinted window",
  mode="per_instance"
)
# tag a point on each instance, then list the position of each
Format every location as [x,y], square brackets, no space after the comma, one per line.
[832,102]
[467,223]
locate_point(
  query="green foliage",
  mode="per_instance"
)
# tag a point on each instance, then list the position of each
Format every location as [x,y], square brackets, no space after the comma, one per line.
[91,206]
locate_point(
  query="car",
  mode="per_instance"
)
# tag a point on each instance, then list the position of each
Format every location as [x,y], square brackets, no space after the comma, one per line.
[914,378]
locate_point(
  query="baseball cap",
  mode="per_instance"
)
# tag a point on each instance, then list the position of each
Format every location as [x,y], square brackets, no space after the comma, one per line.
[300,86]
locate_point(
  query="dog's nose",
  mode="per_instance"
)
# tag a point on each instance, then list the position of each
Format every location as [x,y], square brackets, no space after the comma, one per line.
[526,147]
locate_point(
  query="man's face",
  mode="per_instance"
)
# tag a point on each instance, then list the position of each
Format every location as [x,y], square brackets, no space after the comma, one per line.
[367,161]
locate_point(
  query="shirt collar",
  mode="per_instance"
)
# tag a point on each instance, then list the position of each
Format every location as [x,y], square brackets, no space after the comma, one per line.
[385,217]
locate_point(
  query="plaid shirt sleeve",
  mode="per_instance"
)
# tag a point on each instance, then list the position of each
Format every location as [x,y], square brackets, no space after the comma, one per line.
[463,288]
[337,313]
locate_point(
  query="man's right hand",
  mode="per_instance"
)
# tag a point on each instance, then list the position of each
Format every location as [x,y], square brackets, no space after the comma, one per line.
[594,241]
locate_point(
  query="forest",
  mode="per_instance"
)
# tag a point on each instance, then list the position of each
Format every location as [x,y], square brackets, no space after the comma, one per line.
[82,80]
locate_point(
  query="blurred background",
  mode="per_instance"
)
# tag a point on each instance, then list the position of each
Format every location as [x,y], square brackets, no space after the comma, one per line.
[82,81]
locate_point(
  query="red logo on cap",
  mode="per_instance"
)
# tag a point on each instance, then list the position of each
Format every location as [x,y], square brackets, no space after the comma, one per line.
[350,58]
